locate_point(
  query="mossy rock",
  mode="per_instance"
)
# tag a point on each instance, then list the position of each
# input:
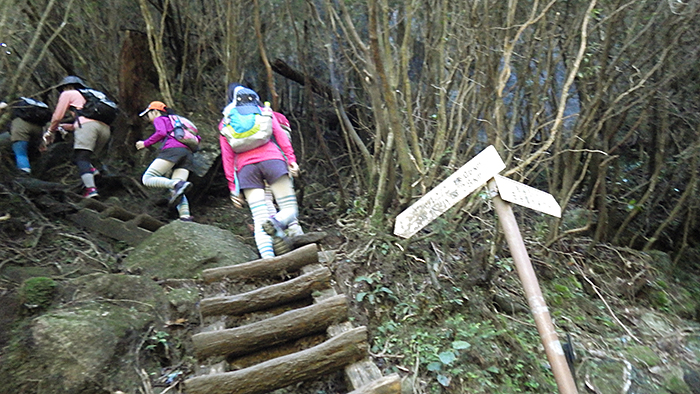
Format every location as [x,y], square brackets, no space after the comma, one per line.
[86,346]
[182,250]
[184,302]
[643,356]
[674,381]
[37,293]
[604,374]
[131,289]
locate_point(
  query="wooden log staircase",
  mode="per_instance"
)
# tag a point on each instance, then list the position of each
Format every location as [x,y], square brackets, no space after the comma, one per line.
[278,334]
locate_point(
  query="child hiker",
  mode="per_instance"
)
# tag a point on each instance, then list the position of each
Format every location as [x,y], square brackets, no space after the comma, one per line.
[248,168]
[173,155]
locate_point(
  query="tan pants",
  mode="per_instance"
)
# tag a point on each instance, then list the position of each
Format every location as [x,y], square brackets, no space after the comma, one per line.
[21,130]
[92,136]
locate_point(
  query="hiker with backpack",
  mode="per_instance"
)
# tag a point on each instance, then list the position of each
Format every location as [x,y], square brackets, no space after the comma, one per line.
[255,150]
[91,132]
[29,117]
[175,154]
[293,229]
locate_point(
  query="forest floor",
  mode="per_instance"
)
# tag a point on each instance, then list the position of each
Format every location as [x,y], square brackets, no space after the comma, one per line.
[445,309]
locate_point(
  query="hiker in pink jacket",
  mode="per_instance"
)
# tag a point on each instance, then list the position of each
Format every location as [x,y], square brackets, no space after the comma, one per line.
[174,156]
[272,162]
[90,136]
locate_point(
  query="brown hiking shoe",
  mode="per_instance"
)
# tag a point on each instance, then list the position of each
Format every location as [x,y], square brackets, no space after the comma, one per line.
[280,246]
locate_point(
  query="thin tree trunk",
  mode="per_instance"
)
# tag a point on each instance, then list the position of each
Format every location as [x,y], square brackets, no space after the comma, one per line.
[389,96]
[232,25]
[263,56]
[22,72]
[155,46]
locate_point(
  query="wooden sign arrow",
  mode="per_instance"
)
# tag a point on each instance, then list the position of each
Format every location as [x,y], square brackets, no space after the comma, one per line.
[529,197]
[469,177]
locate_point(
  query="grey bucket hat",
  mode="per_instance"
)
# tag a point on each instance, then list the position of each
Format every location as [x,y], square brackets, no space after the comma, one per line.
[71,80]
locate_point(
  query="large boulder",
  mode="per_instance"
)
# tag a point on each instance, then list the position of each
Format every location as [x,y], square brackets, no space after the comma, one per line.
[88,345]
[181,250]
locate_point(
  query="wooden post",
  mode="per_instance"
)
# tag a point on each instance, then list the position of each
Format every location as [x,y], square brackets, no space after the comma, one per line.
[535,300]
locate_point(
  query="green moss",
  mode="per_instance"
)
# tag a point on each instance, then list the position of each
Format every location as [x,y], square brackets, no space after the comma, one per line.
[676,385]
[183,295]
[37,293]
[644,355]
[659,299]
[684,303]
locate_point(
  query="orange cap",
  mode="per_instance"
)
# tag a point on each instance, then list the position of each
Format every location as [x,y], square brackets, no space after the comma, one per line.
[159,105]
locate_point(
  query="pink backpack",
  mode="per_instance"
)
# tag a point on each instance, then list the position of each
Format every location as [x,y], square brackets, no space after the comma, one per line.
[185,132]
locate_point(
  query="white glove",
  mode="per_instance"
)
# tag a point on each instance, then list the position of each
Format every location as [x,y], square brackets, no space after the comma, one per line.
[293,169]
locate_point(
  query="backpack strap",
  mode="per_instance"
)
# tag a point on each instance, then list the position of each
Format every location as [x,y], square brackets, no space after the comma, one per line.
[237,191]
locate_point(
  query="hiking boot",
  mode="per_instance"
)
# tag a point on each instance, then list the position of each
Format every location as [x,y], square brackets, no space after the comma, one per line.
[181,187]
[90,192]
[273,228]
[280,245]
[186,219]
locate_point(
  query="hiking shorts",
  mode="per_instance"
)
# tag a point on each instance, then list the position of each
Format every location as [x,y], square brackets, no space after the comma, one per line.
[180,157]
[21,130]
[92,136]
[251,176]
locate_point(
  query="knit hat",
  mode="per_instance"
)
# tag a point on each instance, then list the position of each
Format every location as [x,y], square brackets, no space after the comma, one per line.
[159,105]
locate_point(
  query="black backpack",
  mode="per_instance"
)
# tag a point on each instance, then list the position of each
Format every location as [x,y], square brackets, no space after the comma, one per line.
[32,111]
[98,106]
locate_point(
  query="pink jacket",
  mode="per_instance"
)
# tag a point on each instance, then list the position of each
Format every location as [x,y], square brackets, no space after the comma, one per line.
[163,127]
[233,161]
[67,99]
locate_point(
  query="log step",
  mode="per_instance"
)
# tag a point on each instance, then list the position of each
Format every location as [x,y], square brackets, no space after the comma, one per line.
[268,297]
[266,354]
[390,384]
[265,268]
[114,221]
[309,364]
[288,326]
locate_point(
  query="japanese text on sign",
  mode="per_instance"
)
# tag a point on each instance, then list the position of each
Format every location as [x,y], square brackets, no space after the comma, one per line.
[468,178]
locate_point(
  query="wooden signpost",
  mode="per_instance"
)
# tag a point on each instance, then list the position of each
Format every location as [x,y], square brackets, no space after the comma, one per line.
[482,169]
[526,196]
[475,173]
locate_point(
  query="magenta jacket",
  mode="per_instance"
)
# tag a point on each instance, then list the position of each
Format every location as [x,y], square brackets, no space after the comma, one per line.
[233,161]
[163,128]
